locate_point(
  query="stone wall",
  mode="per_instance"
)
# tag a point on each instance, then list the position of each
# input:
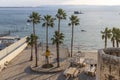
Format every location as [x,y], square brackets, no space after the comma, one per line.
[108,64]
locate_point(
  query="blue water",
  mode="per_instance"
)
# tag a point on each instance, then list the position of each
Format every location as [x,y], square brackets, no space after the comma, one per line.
[94,20]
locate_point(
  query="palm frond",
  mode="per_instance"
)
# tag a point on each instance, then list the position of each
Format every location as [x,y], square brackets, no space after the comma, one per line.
[34,18]
[57,38]
[74,20]
[48,21]
[61,14]
[102,32]
[44,24]
[103,36]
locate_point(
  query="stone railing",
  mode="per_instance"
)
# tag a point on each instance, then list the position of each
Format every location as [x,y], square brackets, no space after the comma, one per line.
[108,64]
[10,52]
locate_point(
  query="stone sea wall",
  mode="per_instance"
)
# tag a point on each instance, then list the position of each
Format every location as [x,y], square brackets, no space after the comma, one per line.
[108,64]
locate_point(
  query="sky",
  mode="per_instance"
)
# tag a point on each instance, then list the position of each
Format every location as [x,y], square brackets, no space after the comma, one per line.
[57,2]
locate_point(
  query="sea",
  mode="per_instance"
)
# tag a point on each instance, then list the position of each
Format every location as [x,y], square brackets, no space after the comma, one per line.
[93,20]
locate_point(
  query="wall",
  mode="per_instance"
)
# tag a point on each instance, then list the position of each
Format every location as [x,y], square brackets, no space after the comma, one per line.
[108,64]
[11,52]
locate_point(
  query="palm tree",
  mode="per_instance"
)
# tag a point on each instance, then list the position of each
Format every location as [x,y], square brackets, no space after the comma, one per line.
[30,42]
[34,18]
[60,16]
[74,21]
[106,34]
[48,22]
[57,38]
[113,37]
[117,37]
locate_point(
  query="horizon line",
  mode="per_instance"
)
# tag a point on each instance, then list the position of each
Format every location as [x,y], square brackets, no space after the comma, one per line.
[58,5]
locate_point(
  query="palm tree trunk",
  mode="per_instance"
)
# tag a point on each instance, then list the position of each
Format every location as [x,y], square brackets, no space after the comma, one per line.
[47,44]
[105,42]
[46,38]
[72,40]
[57,48]
[36,64]
[31,58]
[47,59]
[57,45]
[113,43]
[33,28]
[36,53]
[59,25]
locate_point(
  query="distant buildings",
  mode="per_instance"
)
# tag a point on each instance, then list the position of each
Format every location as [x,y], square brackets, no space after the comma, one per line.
[7,40]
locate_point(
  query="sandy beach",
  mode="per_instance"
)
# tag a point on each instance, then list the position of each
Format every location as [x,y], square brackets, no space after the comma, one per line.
[18,68]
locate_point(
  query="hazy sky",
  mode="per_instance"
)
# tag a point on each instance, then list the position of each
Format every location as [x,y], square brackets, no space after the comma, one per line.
[57,2]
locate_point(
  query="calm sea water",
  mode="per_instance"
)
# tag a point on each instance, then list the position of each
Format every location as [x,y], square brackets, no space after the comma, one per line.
[94,19]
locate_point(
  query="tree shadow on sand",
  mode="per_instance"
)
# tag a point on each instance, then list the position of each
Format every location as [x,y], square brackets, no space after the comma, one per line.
[60,59]
[18,64]
[81,76]
[27,72]
[62,77]
[84,76]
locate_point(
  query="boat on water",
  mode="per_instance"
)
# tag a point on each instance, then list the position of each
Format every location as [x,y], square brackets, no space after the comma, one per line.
[78,12]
